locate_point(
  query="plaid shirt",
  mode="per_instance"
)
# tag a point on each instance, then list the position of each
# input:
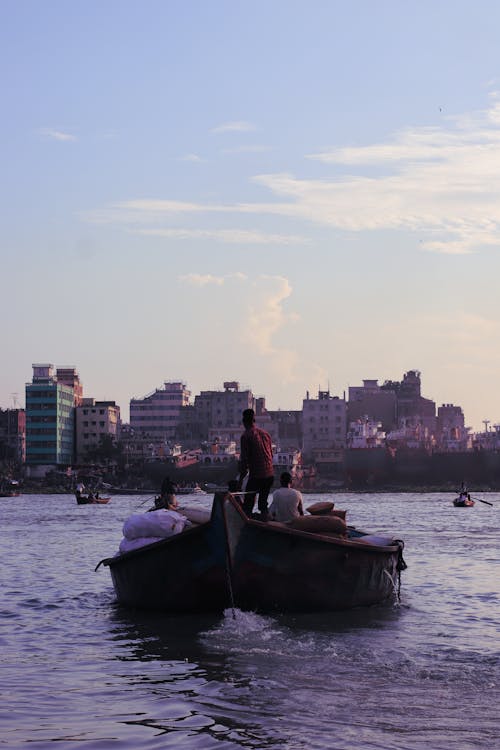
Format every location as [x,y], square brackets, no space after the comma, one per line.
[256,453]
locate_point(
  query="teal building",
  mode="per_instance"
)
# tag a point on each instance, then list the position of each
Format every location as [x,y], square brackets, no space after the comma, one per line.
[50,419]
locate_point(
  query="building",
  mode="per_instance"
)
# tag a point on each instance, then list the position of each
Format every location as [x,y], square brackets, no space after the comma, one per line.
[156,416]
[215,412]
[95,421]
[12,435]
[50,420]
[372,401]
[69,376]
[324,428]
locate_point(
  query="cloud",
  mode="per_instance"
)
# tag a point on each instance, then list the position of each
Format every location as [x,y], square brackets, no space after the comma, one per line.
[192,158]
[237,126]
[57,135]
[230,236]
[200,280]
[441,183]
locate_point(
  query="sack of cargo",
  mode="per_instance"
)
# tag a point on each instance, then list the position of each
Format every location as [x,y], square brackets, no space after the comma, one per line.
[319,524]
[157,523]
[326,509]
[320,508]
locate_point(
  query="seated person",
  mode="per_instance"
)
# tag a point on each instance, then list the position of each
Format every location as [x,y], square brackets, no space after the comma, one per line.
[287,502]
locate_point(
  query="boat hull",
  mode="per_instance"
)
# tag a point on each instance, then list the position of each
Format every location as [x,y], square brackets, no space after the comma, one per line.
[234,561]
[277,569]
[185,573]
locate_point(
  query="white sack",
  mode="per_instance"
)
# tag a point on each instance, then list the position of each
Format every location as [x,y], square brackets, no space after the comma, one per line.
[158,523]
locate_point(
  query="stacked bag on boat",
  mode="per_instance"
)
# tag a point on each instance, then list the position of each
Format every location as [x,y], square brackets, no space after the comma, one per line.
[140,529]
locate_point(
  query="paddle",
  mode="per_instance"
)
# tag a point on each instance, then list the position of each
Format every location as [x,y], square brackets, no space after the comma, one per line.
[486,502]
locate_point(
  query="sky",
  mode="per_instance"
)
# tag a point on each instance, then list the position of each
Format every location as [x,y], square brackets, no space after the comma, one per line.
[293,195]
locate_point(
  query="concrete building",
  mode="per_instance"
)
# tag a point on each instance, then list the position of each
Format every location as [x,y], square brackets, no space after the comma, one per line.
[372,401]
[50,421]
[70,377]
[451,432]
[324,427]
[95,420]
[156,416]
[12,435]
[215,412]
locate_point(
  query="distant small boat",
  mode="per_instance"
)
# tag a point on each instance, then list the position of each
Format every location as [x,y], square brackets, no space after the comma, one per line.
[464,499]
[9,488]
[90,499]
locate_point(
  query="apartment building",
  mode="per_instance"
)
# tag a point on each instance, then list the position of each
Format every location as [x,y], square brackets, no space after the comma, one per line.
[95,421]
[50,420]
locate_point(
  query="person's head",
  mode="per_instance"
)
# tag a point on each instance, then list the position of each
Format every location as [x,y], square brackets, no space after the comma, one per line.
[171,502]
[285,479]
[248,418]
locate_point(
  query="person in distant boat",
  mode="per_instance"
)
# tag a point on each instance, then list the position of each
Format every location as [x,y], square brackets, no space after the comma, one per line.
[287,502]
[256,459]
[80,489]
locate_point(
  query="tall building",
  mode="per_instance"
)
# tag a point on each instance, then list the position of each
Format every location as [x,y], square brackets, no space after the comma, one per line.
[324,426]
[215,413]
[452,434]
[50,419]
[13,435]
[95,421]
[373,402]
[69,376]
[157,415]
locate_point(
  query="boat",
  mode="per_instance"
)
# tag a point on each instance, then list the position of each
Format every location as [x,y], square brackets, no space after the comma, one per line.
[9,488]
[463,500]
[90,499]
[232,560]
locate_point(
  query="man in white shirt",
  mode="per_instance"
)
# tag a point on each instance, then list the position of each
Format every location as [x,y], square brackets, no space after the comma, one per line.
[287,502]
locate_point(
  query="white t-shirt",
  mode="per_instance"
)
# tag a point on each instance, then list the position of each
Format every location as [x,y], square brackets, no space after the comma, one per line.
[285,504]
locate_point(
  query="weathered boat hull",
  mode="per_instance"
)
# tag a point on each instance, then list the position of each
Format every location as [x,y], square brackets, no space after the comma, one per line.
[281,569]
[463,503]
[232,560]
[184,573]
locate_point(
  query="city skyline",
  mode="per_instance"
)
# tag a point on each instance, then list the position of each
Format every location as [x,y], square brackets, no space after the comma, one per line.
[295,197]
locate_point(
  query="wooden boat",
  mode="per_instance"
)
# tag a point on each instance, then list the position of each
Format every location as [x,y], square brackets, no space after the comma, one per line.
[9,488]
[463,501]
[90,499]
[231,560]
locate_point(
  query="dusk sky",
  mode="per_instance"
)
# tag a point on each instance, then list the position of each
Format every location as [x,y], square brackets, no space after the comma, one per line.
[293,195]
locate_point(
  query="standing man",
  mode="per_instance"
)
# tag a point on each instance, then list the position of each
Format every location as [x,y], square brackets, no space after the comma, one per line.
[287,502]
[256,458]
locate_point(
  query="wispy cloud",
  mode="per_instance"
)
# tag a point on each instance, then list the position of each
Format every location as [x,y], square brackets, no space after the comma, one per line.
[57,135]
[231,236]
[200,280]
[236,126]
[441,183]
[192,157]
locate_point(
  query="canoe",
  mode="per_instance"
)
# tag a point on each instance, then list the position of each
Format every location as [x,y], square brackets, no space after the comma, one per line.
[231,560]
[85,500]
[463,502]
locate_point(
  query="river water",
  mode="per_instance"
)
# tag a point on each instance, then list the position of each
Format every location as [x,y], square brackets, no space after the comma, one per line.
[76,670]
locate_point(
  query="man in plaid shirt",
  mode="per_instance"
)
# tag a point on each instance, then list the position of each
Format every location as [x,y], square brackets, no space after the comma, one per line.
[256,458]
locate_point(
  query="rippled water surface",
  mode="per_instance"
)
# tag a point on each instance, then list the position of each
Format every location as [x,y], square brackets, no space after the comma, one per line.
[78,671]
